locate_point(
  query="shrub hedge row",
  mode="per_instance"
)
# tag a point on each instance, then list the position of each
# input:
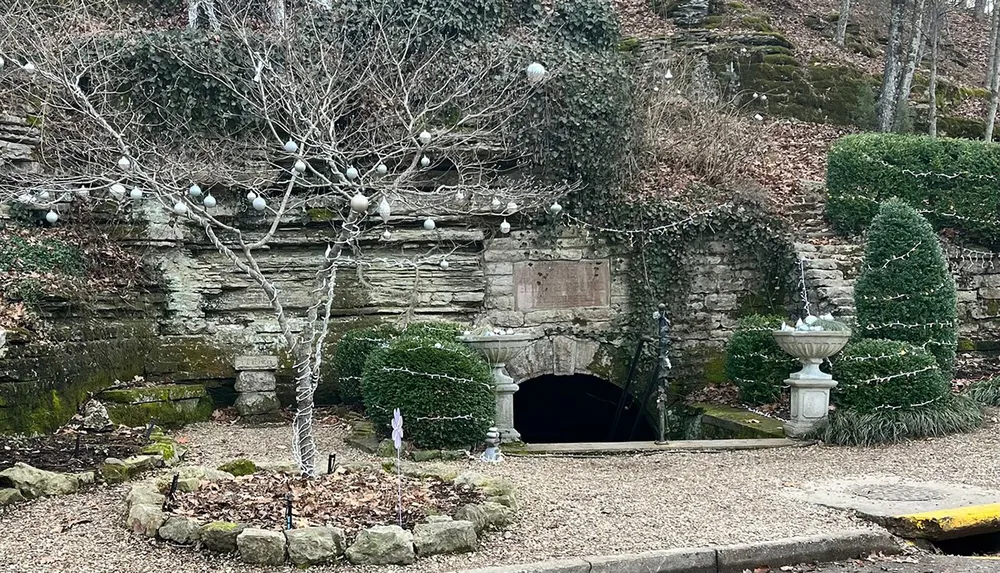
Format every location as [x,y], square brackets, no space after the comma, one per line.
[955,183]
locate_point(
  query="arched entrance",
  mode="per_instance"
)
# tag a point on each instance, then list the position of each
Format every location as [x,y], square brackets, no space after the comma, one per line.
[575,408]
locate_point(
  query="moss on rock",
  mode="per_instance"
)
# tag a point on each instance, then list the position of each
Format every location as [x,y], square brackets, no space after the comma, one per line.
[239,467]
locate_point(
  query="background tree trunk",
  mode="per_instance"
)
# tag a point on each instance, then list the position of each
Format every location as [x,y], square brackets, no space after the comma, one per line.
[276,12]
[887,104]
[845,15]
[991,114]
[913,57]
[937,14]
[994,29]
[980,10]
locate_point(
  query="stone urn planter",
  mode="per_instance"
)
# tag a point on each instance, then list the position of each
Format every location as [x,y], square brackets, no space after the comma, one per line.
[810,399]
[498,349]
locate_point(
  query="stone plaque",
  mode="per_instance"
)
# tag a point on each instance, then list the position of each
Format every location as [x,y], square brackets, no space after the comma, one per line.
[243,363]
[555,285]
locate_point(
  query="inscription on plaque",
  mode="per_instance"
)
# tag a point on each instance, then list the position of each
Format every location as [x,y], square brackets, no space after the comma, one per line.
[554,285]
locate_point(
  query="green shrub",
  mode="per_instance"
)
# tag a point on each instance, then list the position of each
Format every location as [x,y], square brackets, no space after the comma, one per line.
[875,375]
[985,392]
[438,330]
[905,291]
[586,23]
[948,415]
[755,362]
[351,353]
[865,170]
[443,389]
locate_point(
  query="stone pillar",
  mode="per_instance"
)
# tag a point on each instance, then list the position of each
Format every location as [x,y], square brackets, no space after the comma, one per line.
[505,388]
[810,402]
[256,385]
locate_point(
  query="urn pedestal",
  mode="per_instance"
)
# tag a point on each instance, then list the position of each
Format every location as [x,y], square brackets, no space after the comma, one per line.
[498,350]
[810,387]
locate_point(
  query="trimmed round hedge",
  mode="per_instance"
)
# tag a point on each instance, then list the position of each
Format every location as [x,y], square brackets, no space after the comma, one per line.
[905,291]
[438,330]
[351,353]
[874,375]
[754,361]
[443,390]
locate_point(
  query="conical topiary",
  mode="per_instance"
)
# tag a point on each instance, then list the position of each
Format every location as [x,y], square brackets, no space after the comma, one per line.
[905,291]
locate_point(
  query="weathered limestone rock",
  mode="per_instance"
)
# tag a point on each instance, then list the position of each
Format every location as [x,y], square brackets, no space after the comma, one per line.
[191,477]
[220,536]
[95,417]
[145,519]
[444,537]
[144,494]
[33,482]
[178,529]
[485,516]
[439,518]
[382,545]
[261,546]
[313,545]
[257,403]
[10,495]
[255,382]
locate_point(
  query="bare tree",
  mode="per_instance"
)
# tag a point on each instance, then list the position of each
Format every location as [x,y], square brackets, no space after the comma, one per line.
[888,104]
[360,121]
[842,20]
[913,58]
[939,11]
[979,9]
[195,10]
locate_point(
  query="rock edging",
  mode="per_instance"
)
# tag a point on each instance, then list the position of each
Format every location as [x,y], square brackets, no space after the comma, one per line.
[377,545]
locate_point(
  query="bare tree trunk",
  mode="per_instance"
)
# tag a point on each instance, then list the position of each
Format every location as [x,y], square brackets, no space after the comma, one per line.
[276,12]
[845,15]
[194,11]
[991,114]
[994,36]
[937,15]
[887,104]
[913,58]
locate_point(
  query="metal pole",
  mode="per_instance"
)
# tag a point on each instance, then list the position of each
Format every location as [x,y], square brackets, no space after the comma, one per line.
[628,385]
[662,365]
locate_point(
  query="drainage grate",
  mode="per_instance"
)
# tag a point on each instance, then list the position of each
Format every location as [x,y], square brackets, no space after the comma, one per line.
[983,544]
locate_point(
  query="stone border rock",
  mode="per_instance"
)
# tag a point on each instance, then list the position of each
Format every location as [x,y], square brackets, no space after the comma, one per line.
[378,545]
[23,482]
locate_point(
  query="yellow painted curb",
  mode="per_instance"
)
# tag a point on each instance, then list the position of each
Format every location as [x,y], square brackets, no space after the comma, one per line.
[954,522]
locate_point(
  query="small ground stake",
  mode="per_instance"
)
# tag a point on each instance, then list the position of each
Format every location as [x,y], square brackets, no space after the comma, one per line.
[171,491]
[288,510]
[149,428]
[331,462]
[76,448]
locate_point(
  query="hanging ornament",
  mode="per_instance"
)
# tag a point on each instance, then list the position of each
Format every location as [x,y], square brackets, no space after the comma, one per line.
[360,203]
[2,62]
[300,166]
[425,137]
[495,203]
[429,224]
[386,235]
[459,196]
[351,173]
[444,263]
[52,217]
[209,201]
[124,164]
[758,117]
[259,203]
[425,161]
[381,169]
[251,196]
[384,210]
[505,227]
[291,146]
[44,195]
[669,75]
[763,97]
[180,208]
[118,191]
[29,67]
[512,207]
[83,192]
[195,190]
[135,193]
[555,209]
[535,72]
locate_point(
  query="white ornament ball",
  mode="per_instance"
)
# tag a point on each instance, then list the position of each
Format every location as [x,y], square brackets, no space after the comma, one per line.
[495,203]
[251,196]
[29,67]
[535,72]
[195,190]
[351,173]
[429,224]
[291,146]
[124,164]
[386,235]
[118,190]
[758,117]
[425,161]
[259,203]
[44,195]
[180,208]
[512,206]
[555,209]
[381,169]
[763,98]
[425,137]
[359,203]
[2,62]
[459,196]
[209,201]
[83,192]
[505,227]
[444,264]
[52,217]
[300,166]
[135,193]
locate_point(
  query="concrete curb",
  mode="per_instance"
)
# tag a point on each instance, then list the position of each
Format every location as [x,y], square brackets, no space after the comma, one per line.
[723,559]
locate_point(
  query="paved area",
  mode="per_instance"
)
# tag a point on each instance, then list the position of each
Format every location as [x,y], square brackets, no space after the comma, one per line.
[923,564]
[891,496]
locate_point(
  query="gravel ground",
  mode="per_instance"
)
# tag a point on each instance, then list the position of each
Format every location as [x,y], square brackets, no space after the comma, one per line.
[570,506]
